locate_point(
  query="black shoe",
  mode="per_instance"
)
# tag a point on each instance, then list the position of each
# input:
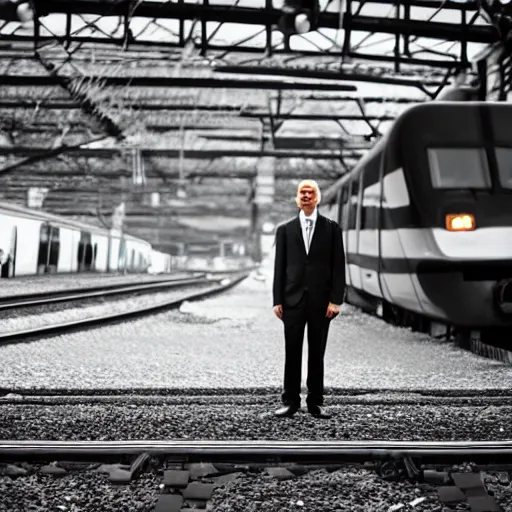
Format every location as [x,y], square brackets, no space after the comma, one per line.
[317,412]
[287,410]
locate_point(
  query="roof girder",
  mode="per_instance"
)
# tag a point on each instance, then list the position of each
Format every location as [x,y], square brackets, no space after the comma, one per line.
[269,16]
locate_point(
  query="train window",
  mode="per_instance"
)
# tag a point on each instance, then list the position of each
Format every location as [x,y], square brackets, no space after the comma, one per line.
[54,249]
[458,168]
[504,157]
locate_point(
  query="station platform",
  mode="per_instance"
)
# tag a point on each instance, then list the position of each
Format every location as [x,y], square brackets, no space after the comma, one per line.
[234,340]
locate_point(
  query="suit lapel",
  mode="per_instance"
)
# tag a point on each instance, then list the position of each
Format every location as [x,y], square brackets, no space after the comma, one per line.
[317,233]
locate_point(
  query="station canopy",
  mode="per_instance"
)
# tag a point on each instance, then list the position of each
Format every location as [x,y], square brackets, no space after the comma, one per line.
[174,107]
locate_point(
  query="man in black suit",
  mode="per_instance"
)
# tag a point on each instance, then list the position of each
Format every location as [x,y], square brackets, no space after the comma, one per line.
[308,288]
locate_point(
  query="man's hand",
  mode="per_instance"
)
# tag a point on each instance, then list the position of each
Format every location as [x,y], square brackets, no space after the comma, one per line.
[332,310]
[278,310]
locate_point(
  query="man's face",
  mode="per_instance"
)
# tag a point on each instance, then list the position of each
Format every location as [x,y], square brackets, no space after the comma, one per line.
[307,197]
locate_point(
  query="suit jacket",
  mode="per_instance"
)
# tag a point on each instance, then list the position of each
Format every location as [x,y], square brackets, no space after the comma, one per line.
[321,271]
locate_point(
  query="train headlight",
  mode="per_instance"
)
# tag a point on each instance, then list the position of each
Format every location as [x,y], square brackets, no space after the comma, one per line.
[460,222]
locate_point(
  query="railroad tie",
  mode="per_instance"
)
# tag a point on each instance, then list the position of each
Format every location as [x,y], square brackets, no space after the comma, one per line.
[469,488]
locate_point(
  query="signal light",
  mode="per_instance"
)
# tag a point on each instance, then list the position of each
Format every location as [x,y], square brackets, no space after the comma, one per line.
[460,222]
[299,16]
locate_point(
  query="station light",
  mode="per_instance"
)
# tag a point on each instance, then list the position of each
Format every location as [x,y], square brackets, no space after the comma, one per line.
[460,222]
[299,16]
[16,10]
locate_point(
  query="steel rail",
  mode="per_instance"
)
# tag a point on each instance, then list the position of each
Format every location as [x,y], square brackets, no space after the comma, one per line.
[39,298]
[29,334]
[251,450]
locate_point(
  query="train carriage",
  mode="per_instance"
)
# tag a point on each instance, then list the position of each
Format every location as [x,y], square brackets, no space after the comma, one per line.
[427,217]
[34,242]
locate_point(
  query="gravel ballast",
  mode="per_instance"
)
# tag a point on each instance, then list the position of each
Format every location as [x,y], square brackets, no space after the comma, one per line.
[246,417]
[77,492]
[52,314]
[233,340]
[269,488]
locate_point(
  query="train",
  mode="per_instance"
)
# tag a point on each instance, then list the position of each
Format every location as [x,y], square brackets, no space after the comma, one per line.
[33,242]
[426,217]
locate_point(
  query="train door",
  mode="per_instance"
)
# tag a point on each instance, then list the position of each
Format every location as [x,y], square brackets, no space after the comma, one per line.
[49,248]
[94,256]
[44,248]
[368,235]
[8,258]
[53,259]
[85,252]
[354,199]
[343,221]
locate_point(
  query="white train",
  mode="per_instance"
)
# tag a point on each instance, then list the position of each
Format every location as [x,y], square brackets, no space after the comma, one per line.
[427,219]
[34,242]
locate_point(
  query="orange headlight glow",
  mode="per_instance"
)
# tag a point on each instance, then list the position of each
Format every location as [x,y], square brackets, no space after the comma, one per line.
[460,222]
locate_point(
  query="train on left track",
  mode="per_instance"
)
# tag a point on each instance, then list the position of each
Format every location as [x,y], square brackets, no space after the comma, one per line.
[34,242]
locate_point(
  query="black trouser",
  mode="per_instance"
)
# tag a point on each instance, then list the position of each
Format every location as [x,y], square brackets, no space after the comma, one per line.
[295,319]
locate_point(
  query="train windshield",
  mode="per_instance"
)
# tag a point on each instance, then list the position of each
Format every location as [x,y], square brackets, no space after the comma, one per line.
[504,158]
[459,168]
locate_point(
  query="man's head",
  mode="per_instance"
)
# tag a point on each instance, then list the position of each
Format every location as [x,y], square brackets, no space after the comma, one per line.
[308,196]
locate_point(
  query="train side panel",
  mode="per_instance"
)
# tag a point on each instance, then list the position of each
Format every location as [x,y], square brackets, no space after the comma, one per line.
[160,263]
[34,242]
[138,253]
[397,239]
[68,248]
[116,257]
[369,199]
[27,242]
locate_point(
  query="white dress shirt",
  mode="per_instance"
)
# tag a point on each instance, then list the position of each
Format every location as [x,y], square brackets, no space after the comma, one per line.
[303,225]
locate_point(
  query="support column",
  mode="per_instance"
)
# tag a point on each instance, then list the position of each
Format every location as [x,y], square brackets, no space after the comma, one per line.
[264,189]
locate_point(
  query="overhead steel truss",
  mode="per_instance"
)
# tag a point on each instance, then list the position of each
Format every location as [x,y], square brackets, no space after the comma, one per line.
[67,36]
[352,19]
[145,24]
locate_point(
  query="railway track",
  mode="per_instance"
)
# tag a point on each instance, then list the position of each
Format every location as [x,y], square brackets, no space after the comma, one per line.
[266,475]
[220,284]
[56,296]
[243,452]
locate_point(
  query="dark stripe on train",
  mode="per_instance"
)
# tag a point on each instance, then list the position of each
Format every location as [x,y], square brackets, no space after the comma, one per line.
[471,270]
[408,217]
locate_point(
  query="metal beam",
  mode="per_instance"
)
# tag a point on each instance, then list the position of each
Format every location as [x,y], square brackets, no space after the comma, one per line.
[431,4]
[427,29]
[264,16]
[408,61]
[46,177]
[325,75]
[318,117]
[195,153]
[166,105]
[156,81]
[135,105]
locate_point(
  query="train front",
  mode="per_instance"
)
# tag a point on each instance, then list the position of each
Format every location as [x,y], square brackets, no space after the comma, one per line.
[457,161]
